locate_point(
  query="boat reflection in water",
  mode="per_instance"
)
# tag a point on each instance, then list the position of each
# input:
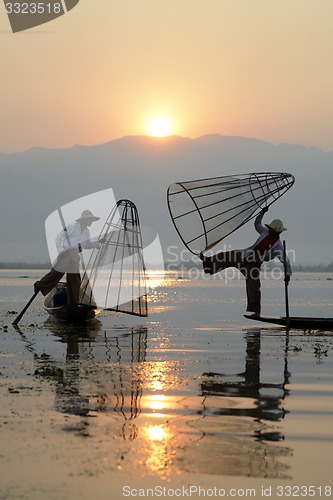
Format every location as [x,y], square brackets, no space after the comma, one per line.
[98,377]
[153,416]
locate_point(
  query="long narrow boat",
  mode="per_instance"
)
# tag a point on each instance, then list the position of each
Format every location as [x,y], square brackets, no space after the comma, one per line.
[297,322]
[55,304]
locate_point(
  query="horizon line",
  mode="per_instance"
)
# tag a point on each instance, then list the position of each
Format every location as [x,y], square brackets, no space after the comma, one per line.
[160,139]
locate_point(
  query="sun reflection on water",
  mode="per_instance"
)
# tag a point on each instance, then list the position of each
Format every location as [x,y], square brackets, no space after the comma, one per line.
[155,433]
[158,455]
[157,402]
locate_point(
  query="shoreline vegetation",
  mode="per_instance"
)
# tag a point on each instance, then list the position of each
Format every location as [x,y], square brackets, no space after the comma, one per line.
[175,266]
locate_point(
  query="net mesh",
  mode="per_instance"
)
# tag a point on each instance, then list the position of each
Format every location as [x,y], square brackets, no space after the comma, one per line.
[115,277]
[205,211]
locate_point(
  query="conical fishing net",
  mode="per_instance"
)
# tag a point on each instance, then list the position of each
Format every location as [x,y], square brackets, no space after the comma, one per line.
[205,211]
[115,277]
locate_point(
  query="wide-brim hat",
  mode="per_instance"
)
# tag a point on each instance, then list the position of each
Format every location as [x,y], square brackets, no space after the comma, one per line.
[87,215]
[277,226]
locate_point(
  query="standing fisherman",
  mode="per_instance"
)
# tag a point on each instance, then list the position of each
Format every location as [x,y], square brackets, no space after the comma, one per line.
[69,242]
[249,261]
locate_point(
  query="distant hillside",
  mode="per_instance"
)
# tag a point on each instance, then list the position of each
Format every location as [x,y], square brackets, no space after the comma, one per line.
[36,182]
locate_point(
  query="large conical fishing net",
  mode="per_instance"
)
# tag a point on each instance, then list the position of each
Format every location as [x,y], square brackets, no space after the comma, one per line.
[205,211]
[115,277]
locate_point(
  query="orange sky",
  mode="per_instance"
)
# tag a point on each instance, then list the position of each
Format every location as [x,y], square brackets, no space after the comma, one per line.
[258,69]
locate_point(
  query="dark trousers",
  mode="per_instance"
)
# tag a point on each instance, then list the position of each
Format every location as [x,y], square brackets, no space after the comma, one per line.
[68,262]
[248,267]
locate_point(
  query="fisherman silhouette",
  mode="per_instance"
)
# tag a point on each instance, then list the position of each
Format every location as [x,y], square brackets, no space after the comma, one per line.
[69,242]
[249,261]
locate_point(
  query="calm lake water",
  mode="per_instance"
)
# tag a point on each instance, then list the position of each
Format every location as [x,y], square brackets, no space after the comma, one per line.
[195,388]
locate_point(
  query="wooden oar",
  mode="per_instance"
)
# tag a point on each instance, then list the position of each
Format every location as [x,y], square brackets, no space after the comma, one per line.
[286,286]
[18,319]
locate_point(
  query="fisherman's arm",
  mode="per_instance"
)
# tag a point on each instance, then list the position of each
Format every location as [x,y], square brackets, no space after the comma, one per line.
[87,242]
[258,221]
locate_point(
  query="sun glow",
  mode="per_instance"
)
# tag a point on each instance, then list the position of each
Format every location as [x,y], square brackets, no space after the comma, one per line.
[159,127]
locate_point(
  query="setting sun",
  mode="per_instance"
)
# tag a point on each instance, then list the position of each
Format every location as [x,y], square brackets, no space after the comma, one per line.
[159,127]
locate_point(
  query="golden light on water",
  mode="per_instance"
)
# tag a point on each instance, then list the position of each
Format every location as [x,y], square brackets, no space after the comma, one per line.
[157,385]
[158,456]
[155,278]
[157,402]
[156,433]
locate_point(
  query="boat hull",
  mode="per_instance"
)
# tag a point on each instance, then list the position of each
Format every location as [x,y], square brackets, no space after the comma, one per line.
[72,314]
[78,313]
[297,322]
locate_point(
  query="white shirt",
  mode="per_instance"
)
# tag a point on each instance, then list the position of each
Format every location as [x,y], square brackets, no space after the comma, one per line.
[73,237]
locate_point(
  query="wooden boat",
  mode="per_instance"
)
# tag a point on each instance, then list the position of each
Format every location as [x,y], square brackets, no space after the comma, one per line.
[298,322]
[55,304]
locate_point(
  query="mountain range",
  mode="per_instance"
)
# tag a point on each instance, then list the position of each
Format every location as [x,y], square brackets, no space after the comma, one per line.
[36,182]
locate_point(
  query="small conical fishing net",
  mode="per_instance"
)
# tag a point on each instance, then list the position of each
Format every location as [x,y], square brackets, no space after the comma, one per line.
[205,211]
[115,277]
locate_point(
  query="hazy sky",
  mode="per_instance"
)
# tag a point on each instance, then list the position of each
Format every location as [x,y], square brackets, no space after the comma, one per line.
[252,68]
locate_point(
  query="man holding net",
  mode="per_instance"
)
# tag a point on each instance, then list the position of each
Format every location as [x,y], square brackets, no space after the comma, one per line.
[69,242]
[249,261]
